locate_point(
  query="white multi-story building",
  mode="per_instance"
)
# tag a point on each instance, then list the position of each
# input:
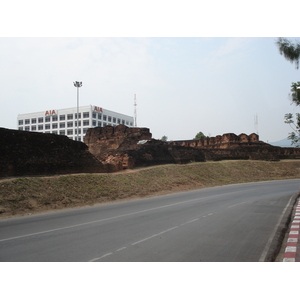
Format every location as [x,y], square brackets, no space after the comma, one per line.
[64,121]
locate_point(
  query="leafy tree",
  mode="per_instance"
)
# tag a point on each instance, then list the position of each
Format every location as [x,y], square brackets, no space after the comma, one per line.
[291,52]
[164,138]
[200,136]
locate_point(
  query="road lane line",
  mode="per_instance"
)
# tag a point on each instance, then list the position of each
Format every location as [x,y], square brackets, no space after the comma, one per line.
[237,204]
[101,220]
[154,235]
[192,221]
[95,259]
[268,244]
[121,249]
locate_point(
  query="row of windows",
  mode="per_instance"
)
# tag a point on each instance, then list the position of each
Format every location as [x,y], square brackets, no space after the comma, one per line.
[63,125]
[70,117]
[61,132]
[54,118]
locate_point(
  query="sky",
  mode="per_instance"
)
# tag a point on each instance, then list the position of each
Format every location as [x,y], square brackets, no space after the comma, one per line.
[183,84]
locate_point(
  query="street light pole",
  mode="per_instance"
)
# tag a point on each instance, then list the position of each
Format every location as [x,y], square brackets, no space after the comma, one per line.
[77,84]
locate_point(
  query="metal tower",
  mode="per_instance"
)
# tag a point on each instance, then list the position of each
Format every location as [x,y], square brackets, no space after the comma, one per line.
[135,111]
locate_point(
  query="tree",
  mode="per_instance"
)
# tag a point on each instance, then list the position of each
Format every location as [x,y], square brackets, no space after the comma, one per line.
[164,138]
[200,136]
[291,52]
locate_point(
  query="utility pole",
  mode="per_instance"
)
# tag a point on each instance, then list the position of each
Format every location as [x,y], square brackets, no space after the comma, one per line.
[77,84]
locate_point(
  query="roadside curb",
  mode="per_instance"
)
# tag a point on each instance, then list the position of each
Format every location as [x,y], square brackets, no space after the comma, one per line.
[292,250]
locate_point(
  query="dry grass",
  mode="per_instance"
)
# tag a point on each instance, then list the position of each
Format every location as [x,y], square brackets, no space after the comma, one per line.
[26,195]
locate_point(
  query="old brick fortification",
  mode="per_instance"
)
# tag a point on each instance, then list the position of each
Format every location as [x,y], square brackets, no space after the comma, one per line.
[32,153]
[111,149]
[123,147]
[243,146]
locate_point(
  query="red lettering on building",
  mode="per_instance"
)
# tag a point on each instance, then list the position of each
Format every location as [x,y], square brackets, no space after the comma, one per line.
[50,112]
[99,109]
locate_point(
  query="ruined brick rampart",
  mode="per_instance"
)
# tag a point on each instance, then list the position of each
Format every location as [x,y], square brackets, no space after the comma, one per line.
[243,146]
[32,153]
[123,147]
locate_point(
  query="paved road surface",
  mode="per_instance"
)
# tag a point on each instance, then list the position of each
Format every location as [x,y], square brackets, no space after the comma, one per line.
[232,223]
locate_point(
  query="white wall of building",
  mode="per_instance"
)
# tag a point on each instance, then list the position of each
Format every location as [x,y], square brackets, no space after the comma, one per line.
[64,121]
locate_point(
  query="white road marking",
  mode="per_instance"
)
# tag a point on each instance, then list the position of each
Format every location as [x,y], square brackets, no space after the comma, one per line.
[98,221]
[121,249]
[95,259]
[237,204]
[192,221]
[154,235]
[268,244]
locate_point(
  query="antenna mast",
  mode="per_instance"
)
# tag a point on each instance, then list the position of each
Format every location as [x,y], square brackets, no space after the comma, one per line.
[256,123]
[135,110]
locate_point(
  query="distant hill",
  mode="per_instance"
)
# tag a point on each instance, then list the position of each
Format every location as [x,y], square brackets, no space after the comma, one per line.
[282,143]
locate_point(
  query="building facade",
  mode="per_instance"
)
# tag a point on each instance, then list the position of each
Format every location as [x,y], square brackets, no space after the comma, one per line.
[64,121]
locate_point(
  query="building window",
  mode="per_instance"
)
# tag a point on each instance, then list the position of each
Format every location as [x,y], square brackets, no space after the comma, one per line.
[119,121]
[33,120]
[62,132]
[40,127]
[123,122]
[20,128]
[114,120]
[26,128]
[54,126]
[99,116]
[33,128]
[54,131]
[62,125]
[99,124]
[70,124]
[109,119]
[85,130]
[47,131]
[70,116]
[104,117]
[86,114]
[94,115]
[79,116]
[131,124]
[79,123]
[62,117]
[27,121]
[47,126]
[41,120]
[86,123]
[79,131]
[94,123]
[20,122]
[54,118]
[104,124]
[69,131]
[47,119]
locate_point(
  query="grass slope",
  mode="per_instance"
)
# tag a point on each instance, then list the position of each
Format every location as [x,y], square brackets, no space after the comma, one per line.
[27,195]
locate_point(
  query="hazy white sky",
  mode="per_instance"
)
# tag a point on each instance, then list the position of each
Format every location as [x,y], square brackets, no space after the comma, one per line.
[183,85]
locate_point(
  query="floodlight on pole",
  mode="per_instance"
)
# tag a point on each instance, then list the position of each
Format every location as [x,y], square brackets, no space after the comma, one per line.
[77,84]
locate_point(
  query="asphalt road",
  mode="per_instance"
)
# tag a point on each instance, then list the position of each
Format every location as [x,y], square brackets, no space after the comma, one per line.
[234,223]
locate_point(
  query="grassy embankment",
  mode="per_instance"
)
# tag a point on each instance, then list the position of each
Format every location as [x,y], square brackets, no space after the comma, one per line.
[26,195]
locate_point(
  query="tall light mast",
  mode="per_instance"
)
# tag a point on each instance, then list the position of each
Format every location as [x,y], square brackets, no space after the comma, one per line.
[135,110]
[77,84]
